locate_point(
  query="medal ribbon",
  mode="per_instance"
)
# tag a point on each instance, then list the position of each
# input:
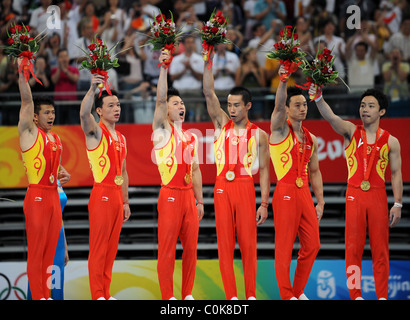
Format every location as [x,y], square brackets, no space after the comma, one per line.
[233,164]
[53,155]
[184,146]
[372,155]
[117,155]
[300,159]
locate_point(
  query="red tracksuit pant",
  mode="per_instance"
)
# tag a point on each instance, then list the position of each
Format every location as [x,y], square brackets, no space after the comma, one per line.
[42,211]
[235,208]
[106,216]
[367,209]
[294,214]
[177,217]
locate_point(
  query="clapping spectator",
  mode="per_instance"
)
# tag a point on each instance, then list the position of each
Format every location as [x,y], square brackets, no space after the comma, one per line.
[43,73]
[64,78]
[395,73]
[225,66]
[266,11]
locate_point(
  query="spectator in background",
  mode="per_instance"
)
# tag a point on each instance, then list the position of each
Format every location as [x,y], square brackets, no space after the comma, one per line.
[51,49]
[252,76]
[67,27]
[43,73]
[263,40]
[39,17]
[267,10]
[64,78]
[81,45]
[7,16]
[109,30]
[225,66]
[391,13]
[149,9]
[360,66]
[395,73]
[233,12]
[118,18]
[186,71]
[401,40]
[336,43]
[305,36]
[248,8]
[236,38]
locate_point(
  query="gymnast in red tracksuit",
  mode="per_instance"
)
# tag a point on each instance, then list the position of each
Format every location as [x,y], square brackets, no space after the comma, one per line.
[176,155]
[369,149]
[108,206]
[41,153]
[238,145]
[293,152]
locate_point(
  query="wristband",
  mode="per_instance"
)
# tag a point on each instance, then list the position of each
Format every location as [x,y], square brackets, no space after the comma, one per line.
[318,99]
[264,204]
[200,203]
[125,203]
[398,205]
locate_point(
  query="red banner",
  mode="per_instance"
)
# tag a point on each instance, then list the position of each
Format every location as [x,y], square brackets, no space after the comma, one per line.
[141,166]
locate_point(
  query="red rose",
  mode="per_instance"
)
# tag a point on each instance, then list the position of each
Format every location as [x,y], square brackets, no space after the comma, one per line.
[205,29]
[276,45]
[295,36]
[92,46]
[214,30]
[160,17]
[221,20]
[28,28]
[94,57]
[219,13]
[326,51]
[281,33]
[165,30]
[294,49]
[10,41]
[156,34]
[19,27]
[329,58]
[13,29]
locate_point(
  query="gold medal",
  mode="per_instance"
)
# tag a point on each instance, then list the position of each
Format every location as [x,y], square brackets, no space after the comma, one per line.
[299,182]
[119,180]
[230,176]
[51,178]
[187,178]
[365,185]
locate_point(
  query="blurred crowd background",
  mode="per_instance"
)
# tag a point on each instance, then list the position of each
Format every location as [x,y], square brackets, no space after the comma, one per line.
[372,49]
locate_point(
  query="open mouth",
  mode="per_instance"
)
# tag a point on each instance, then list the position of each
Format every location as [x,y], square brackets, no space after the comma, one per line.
[182,114]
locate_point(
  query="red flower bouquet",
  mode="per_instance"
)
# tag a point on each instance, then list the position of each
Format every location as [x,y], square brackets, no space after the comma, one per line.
[164,35]
[99,61]
[213,33]
[320,72]
[21,44]
[288,51]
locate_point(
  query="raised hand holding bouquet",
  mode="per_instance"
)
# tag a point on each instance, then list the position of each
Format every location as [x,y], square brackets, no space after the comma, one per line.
[164,36]
[319,73]
[288,51]
[99,61]
[213,33]
[21,44]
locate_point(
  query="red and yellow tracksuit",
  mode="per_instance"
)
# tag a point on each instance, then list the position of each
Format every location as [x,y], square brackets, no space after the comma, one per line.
[177,213]
[235,205]
[367,208]
[106,212]
[42,211]
[294,214]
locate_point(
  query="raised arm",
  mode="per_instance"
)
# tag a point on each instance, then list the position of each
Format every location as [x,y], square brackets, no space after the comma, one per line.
[278,117]
[26,127]
[90,127]
[218,117]
[396,180]
[161,107]
[342,127]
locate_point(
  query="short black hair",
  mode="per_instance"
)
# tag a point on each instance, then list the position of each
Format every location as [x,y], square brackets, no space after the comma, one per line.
[242,91]
[381,98]
[172,92]
[291,92]
[98,101]
[42,100]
